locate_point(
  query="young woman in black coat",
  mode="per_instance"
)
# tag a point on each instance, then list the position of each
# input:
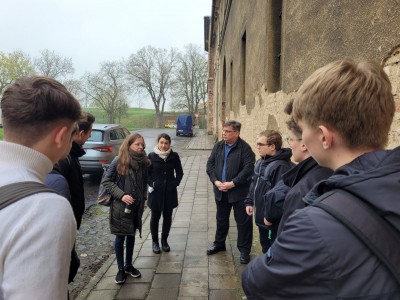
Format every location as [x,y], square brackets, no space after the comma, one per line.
[165,174]
[126,181]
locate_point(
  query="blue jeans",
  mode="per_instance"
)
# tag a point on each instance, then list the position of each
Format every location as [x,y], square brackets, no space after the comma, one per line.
[119,250]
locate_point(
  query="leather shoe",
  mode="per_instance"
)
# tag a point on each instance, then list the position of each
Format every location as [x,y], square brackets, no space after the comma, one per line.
[244,258]
[164,245]
[156,248]
[215,249]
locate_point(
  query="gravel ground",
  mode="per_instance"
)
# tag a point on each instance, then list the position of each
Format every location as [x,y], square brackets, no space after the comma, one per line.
[93,245]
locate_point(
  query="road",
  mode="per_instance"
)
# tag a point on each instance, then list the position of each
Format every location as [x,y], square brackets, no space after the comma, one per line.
[91,182]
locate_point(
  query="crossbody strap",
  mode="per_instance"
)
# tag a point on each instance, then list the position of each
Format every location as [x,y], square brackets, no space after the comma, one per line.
[13,192]
[376,233]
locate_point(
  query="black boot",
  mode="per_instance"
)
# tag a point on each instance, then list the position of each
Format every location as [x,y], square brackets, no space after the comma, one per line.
[156,248]
[164,243]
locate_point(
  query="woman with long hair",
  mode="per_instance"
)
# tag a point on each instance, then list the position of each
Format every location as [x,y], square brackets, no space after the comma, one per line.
[165,174]
[126,181]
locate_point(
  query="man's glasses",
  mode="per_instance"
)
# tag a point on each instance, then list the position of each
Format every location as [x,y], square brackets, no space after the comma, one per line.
[262,145]
[228,131]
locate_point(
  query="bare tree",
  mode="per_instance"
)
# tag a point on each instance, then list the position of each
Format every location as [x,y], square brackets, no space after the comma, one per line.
[107,89]
[191,80]
[12,66]
[75,87]
[53,65]
[151,70]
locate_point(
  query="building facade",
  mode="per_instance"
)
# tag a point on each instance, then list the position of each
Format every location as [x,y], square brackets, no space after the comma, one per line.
[260,52]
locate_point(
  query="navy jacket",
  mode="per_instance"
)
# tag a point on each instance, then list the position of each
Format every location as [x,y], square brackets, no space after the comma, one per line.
[317,257]
[274,166]
[299,181]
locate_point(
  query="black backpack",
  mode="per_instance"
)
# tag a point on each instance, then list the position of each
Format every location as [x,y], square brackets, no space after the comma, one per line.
[13,192]
[373,230]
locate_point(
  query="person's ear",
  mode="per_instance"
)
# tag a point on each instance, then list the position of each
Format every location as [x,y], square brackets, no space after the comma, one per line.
[303,147]
[61,133]
[326,137]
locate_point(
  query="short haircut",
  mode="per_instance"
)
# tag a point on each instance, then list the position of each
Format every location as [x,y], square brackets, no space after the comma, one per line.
[294,127]
[32,106]
[289,107]
[164,136]
[234,124]
[86,121]
[273,138]
[353,98]
[291,123]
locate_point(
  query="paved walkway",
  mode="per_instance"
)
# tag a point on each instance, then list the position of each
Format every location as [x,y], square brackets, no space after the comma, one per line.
[186,272]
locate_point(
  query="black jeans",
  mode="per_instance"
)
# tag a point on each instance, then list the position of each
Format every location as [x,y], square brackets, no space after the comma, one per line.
[244,223]
[155,220]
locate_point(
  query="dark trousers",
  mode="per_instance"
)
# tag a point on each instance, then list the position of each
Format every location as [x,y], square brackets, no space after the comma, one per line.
[244,223]
[267,236]
[155,220]
[119,250]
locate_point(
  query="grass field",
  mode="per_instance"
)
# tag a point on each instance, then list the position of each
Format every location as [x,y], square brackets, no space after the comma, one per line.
[135,117]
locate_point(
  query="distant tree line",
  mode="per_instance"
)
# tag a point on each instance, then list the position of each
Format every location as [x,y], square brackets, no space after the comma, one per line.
[178,78]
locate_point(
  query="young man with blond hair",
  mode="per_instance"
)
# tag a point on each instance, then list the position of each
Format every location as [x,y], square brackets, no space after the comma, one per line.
[38,231]
[345,111]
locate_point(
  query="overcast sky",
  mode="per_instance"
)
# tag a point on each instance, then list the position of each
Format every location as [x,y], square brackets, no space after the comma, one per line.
[94,31]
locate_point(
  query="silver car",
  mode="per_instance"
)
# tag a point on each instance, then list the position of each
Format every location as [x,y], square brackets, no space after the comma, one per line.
[102,147]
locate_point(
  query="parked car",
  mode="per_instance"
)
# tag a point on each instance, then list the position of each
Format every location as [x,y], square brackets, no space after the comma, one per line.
[184,125]
[102,147]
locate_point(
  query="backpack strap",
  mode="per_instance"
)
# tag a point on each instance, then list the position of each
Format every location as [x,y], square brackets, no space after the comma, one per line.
[376,233]
[13,192]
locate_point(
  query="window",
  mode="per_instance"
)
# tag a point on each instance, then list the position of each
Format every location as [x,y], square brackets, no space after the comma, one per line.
[96,136]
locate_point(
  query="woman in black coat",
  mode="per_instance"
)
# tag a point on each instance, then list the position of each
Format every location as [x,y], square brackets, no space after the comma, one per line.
[165,174]
[126,181]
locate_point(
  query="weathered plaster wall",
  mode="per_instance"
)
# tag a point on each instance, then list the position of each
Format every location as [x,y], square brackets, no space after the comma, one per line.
[317,32]
[314,33]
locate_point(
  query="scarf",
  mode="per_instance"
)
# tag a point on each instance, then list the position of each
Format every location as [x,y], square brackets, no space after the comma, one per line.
[162,154]
[138,159]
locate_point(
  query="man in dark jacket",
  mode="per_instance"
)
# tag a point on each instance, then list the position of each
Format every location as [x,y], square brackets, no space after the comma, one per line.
[230,167]
[274,161]
[287,195]
[70,167]
[345,111]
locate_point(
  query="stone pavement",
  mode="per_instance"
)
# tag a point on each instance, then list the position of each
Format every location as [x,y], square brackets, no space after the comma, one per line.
[186,272]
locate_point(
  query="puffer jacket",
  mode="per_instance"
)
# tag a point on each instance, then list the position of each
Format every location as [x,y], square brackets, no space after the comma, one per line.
[239,169]
[164,177]
[274,166]
[122,223]
[317,257]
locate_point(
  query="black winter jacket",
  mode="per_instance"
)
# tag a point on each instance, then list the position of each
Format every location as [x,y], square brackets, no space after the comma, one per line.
[317,257]
[299,181]
[70,168]
[239,169]
[122,223]
[164,177]
[271,167]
